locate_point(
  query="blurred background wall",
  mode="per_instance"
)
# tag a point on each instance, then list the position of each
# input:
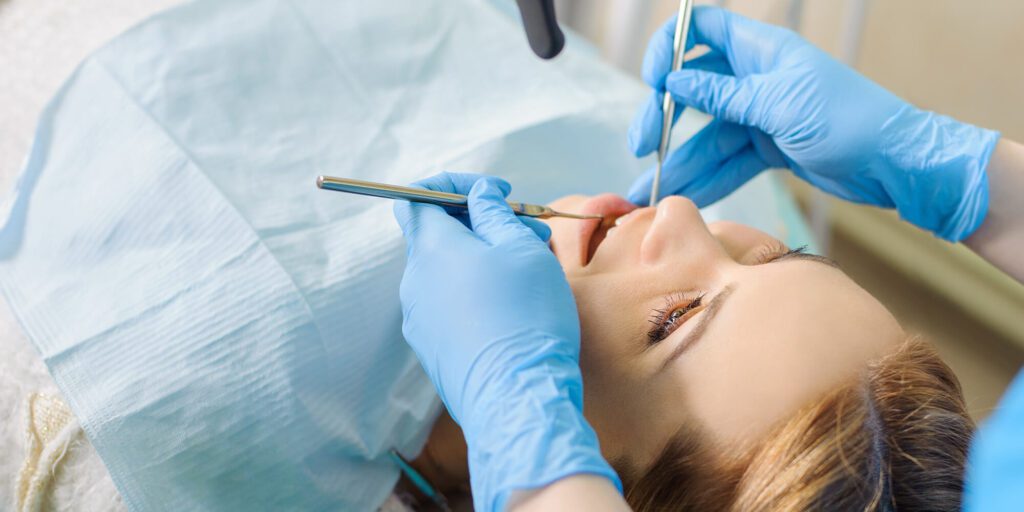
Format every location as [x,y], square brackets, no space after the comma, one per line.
[957,58]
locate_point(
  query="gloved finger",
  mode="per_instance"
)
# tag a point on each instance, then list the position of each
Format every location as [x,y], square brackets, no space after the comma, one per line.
[426,226]
[726,97]
[454,182]
[493,219]
[769,151]
[705,151]
[736,36]
[644,133]
[541,229]
[462,183]
[713,61]
[658,57]
[708,187]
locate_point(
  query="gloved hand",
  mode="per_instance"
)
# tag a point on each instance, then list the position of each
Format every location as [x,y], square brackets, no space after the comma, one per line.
[995,474]
[780,102]
[491,317]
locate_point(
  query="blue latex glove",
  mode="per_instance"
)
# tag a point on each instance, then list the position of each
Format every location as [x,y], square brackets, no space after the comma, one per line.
[491,317]
[780,102]
[995,474]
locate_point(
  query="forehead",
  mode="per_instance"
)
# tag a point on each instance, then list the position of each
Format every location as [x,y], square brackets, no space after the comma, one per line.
[790,332]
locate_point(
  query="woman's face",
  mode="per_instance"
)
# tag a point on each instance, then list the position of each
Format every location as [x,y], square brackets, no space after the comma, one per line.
[712,326]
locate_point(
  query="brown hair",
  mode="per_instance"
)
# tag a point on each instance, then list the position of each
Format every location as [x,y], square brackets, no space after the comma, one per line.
[895,438]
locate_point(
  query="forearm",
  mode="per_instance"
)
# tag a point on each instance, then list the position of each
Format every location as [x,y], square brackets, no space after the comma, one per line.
[577,492]
[1000,239]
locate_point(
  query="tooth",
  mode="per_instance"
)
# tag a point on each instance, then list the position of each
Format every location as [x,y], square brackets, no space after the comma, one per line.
[620,220]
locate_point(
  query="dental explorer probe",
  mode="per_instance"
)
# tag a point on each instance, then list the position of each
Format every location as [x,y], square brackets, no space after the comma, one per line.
[418,195]
[668,106]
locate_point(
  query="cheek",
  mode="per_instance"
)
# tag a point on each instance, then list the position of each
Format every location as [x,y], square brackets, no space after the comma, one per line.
[608,320]
[769,354]
[613,396]
[602,350]
[610,360]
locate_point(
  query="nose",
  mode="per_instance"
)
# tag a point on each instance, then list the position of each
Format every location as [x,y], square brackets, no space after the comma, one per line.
[678,228]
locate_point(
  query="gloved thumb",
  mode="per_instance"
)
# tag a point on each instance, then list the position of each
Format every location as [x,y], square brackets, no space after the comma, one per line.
[723,96]
[493,219]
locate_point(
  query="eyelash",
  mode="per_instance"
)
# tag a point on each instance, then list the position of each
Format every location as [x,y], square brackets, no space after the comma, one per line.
[663,320]
[774,251]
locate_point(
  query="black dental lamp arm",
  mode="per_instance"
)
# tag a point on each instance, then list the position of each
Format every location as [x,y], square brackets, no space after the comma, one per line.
[542,31]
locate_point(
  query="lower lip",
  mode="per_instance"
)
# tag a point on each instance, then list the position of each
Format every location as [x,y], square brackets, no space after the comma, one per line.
[593,232]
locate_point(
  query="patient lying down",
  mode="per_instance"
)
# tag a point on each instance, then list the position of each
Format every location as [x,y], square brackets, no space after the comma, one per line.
[725,371]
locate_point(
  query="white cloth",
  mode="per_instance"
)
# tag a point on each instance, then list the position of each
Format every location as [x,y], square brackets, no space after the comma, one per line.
[43,41]
[49,430]
[227,335]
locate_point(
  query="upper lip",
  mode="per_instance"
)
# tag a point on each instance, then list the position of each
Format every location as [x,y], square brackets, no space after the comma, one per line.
[592,232]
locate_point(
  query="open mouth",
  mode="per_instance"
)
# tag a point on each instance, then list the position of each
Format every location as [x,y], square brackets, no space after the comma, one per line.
[593,232]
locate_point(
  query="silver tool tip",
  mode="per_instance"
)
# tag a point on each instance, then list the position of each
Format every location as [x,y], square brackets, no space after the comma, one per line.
[319,182]
[655,186]
[580,216]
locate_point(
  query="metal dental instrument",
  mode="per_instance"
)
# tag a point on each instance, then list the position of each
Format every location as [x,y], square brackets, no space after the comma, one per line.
[369,188]
[668,106]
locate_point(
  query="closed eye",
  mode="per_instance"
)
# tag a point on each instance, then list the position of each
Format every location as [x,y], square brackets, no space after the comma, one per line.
[800,253]
[775,250]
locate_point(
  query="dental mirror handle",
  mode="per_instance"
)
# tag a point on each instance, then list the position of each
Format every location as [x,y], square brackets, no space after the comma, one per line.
[668,106]
[369,188]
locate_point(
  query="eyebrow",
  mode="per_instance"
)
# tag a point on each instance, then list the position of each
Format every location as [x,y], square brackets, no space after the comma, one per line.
[694,335]
[806,256]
